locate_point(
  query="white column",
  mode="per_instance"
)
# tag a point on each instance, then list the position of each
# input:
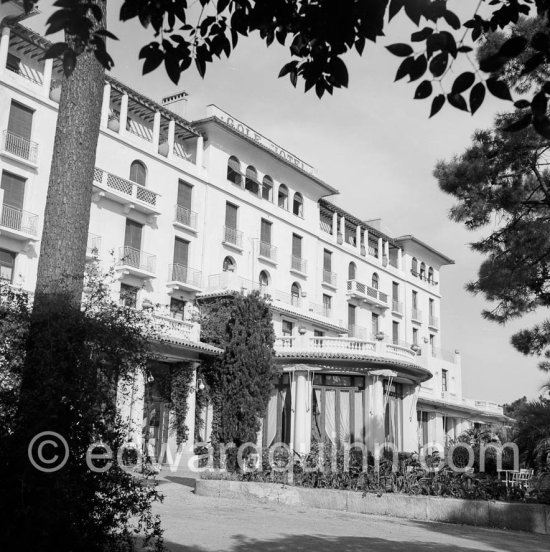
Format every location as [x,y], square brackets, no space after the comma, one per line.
[380,247]
[358,238]
[4,46]
[410,422]
[200,151]
[47,81]
[334,225]
[400,259]
[123,114]
[342,228]
[106,105]
[387,250]
[366,240]
[170,139]
[156,131]
[378,411]
[302,415]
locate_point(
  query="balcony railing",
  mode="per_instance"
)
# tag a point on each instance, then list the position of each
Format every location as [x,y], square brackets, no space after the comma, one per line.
[416,315]
[125,187]
[186,217]
[325,224]
[268,251]
[366,292]
[329,277]
[232,236]
[298,264]
[93,245]
[17,219]
[434,322]
[19,146]
[174,328]
[185,275]
[135,258]
[27,72]
[397,306]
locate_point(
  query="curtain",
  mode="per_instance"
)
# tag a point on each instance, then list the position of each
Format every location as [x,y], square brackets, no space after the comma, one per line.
[330,414]
[271,425]
[344,432]
[359,431]
[317,414]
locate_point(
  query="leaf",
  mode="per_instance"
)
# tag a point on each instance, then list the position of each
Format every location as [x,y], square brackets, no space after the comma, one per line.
[69,62]
[491,64]
[458,101]
[542,126]
[477,95]
[108,34]
[360,45]
[539,105]
[519,124]
[58,21]
[419,36]
[418,68]
[513,47]
[463,82]
[222,5]
[290,66]
[452,19]
[201,65]
[401,50]
[404,68]
[172,65]
[464,49]
[395,7]
[499,89]
[439,64]
[339,71]
[55,50]
[533,62]
[423,90]
[437,104]
[522,104]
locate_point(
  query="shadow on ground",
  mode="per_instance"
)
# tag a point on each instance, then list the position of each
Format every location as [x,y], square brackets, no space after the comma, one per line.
[187,481]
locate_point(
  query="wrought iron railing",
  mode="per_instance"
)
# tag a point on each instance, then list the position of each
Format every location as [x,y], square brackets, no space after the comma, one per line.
[185,274]
[329,277]
[268,251]
[135,258]
[19,146]
[17,219]
[232,236]
[298,264]
[186,217]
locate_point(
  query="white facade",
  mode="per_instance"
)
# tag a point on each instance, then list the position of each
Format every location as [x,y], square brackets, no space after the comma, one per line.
[356,312]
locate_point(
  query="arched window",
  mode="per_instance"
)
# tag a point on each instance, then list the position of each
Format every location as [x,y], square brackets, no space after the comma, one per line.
[282,199]
[251,181]
[234,171]
[229,264]
[295,294]
[431,275]
[267,188]
[352,271]
[138,173]
[298,205]
[422,271]
[264,279]
[414,267]
[375,281]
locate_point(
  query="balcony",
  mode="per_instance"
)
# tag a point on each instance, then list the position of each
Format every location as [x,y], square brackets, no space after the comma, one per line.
[174,328]
[416,315]
[233,238]
[357,290]
[433,322]
[185,218]
[18,224]
[346,350]
[329,278]
[136,262]
[128,193]
[184,278]
[299,265]
[396,307]
[93,246]
[19,148]
[268,252]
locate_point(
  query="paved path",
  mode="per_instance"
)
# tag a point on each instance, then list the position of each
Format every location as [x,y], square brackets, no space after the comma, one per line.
[200,524]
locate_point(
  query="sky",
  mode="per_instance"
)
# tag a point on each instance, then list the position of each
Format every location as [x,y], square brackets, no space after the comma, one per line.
[376,145]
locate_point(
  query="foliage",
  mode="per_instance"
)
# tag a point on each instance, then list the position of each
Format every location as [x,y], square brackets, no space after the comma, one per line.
[320,32]
[181,384]
[502,181]
[239,382]
[74,508]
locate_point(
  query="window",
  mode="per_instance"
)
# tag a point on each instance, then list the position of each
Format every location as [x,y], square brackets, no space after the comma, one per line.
[177,308]
[229,264]
[234,171]
[327,260]
[350,234]
[282,198]
[181,252]
[375,327]
[14,191]
[298,205]
[7,263]
[295,294]
[395,332]
[432,344]
[13,63]
[422,271]
[373,246]
[423,422]
[431,275]
[267,188]
[132,236]
[20,121]
[138,173]
[375,281]
[128,296]
[185,194]
[414,300]
[287,328]
[395,291]
[231,233]
[431,308]
[264,279]
[265,233]
[327,304]
[352,271]
[318,333]
[351,320]
[251,181]
[415,336]
[414,267]
[393,415]
[444,380]
[296,249]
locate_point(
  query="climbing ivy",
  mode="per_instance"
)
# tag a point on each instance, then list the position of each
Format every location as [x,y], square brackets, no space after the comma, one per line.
[181,383]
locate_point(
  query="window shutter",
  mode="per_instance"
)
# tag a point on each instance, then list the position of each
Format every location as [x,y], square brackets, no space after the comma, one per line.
[327,260]
[231,216]
[132,237]
[14,189]
[185,192]
[20,120]
[265,234]
[181,252]
[296,246]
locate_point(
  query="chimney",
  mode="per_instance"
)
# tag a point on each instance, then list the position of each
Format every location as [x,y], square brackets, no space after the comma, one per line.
[177,103]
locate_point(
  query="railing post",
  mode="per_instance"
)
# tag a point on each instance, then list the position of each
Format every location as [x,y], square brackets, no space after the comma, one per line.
[200,151]
[358,238]
[106,105]
[335,225]
[400,259]
[380,252]
[170,138]
[47,81]
[156,131]
[123,114]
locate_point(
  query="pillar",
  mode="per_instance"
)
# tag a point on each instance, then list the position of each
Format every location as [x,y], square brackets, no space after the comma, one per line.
[170,138]
[386,246]
[410,421]
[358,238]
[400,259]
[342,226]
[123,114]
[106,105]
[200,151]
[334,225]
[366,240]
[47,81]
[302,413]
[4,46]
[377,417]
[156,132]
[380,247]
